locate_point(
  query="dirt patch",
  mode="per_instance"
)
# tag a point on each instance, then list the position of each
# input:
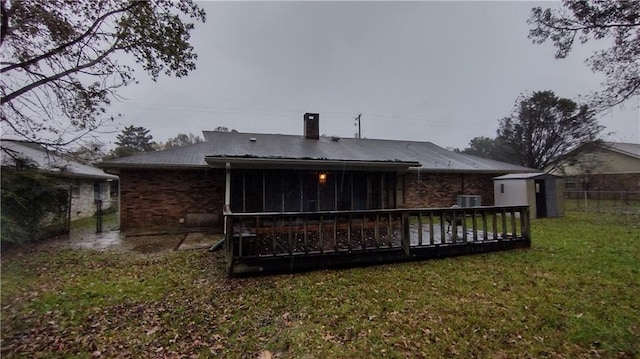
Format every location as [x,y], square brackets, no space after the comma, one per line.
[153,244]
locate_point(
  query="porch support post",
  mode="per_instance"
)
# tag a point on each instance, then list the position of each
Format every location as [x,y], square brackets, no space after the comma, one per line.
[227,194]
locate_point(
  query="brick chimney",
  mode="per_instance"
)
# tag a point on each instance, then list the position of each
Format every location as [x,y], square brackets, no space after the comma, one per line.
[312,126]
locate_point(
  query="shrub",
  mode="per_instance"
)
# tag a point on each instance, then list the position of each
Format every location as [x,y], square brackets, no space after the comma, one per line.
[31,206]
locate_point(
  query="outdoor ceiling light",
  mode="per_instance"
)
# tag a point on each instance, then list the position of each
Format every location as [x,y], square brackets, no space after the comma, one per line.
[322,178]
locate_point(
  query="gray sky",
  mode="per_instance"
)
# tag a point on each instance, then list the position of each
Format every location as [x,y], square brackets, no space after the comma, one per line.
[443,72]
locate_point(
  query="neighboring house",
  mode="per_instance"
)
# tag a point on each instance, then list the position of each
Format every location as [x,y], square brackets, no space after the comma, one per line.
[600,166]
[251,172]
[83,183]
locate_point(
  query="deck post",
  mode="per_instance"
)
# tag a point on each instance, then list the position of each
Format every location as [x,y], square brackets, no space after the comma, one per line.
[320,239]
[485,235]
[228,242]
[494,223]
[419,228]
[504,223]
[514,227]
[454,227]
[289,237]
[442,228]
[362,233]
[474,224]
[431,232]
[463,222]
[376,231]
[389,230]
[525,223]
[274,234]
[406,234]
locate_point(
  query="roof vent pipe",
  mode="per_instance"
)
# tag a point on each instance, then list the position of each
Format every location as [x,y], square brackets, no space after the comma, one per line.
[312,126]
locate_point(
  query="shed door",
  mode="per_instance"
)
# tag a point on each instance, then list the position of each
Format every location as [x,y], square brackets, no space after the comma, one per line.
[541,199]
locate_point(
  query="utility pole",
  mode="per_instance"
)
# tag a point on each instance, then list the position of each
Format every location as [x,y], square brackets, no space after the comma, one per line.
[357,123]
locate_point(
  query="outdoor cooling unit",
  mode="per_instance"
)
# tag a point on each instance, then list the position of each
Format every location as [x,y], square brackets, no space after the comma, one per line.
[469,200]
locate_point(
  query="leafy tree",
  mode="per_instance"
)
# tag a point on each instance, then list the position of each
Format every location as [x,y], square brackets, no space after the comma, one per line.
[182,140]
[64,60]
[480,146]
[543,126]
[132,140]
[492,148]
[583,21]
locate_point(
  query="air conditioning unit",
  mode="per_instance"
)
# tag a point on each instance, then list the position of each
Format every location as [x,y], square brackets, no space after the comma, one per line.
[466,200]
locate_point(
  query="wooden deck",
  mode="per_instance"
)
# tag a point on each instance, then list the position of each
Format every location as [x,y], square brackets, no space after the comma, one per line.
[285,242]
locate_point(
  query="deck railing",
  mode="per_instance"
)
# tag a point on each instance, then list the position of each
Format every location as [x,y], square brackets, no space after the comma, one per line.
[257,242]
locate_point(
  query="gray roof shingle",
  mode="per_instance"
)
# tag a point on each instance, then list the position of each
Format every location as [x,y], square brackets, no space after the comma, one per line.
[229,145]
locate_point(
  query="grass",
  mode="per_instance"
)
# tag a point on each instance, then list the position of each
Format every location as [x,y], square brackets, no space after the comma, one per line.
[628,206]
[573,294]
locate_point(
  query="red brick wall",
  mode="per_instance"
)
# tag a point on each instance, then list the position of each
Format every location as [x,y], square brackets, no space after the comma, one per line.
[154,199]
[159,198]
[442,190]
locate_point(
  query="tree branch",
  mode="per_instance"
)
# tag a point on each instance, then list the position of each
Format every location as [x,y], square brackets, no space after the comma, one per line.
[64,46]
[588,27]
[19,92]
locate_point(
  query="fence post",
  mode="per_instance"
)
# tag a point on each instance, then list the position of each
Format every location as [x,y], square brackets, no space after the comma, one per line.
[98,216]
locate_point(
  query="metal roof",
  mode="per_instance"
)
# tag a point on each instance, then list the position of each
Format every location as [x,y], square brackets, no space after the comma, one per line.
[50,162]
[631,149]
[350,152]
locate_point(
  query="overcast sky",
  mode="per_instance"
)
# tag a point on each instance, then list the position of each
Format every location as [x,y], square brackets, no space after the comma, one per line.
[443,72]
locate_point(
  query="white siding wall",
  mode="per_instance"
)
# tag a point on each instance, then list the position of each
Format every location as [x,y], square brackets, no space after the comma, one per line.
[515,192]
[83,198]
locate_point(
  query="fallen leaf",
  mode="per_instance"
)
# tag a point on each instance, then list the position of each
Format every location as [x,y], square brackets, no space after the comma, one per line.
[328,337]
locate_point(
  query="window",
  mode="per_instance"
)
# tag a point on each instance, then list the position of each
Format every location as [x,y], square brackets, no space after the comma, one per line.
[570,183]
[100,191]
[501,187]
[75,191]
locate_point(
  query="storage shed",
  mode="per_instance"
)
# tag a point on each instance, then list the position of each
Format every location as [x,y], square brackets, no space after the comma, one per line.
[542,192]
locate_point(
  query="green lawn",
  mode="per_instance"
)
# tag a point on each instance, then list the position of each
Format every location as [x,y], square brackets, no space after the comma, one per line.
[573,294]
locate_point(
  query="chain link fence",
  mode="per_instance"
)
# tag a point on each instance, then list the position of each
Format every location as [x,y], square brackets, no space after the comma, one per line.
[107,215]
[603,201]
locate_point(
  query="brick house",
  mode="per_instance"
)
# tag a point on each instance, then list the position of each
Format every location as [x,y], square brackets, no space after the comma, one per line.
[600,166]
[192,186]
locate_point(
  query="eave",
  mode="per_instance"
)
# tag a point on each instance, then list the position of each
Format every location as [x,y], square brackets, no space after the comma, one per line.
[303,163]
